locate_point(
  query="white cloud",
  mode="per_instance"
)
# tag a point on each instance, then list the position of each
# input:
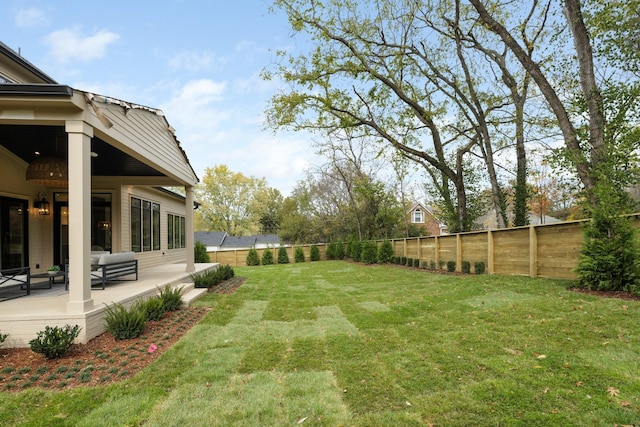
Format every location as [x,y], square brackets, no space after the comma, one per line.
[250,51]
[246,45]
[194,113]
[279,159]
[194,61]
[255,84]
[70,45]
[31,18]
[192,108]
[202,91]
[213,129]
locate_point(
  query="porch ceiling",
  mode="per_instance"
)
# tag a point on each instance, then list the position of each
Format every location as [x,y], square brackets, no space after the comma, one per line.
[25,140]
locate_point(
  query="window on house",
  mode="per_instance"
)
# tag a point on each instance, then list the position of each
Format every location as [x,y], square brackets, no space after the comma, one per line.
[136,225]
[155,223]
[145,225]
[176,231]
[418,217]
[170,232]
[183,229]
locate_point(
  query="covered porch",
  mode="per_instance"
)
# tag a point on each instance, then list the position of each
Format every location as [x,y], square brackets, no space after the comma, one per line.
[82,172]
[28,315]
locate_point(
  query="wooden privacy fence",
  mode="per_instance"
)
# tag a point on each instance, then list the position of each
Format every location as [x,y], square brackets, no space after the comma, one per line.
[537,251]
[238,257]
[548,250]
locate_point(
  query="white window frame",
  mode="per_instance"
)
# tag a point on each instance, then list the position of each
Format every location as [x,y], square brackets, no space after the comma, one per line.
[417,217]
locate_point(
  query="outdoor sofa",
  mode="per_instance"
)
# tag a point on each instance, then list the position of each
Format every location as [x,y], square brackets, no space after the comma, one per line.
[109,267]
[14,280]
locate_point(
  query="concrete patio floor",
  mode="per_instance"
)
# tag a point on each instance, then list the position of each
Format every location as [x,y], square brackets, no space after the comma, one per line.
[23,317]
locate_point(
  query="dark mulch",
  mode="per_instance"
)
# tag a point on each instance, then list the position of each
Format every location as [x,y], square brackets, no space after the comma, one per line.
[103,360]
[228,286]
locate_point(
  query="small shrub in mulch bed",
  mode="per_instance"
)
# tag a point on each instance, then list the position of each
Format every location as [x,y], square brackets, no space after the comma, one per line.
[101,361]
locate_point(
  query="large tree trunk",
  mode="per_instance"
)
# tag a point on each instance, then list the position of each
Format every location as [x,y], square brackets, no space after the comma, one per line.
[588,83]
[520,205]
[566,126]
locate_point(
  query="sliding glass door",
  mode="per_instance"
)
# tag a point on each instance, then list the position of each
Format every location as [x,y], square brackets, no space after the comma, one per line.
[14,221]
[100,225]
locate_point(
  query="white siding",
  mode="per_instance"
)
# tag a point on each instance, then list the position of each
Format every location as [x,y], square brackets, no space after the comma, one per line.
[144,135]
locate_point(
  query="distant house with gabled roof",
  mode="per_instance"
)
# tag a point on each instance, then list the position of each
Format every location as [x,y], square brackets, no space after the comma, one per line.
[424,218]
[220,240]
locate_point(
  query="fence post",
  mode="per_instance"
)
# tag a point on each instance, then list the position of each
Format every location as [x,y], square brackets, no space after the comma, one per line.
[490,267]
[533,252]
[458,252]
[419,251]
[437,249]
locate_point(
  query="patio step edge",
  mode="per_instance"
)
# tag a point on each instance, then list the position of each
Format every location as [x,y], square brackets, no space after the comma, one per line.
[192,294]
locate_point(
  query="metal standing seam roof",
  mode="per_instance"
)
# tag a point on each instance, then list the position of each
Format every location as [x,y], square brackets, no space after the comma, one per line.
[16,57]
[51,88]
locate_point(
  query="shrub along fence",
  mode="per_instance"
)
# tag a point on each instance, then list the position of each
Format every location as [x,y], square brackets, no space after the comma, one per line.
[550,250]
[238,257]
[547,250]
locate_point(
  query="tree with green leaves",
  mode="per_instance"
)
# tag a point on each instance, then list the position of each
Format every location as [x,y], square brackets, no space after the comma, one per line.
[385,252]
[610,256]
[267,205]
[599,123]
[200,253]
[228,201]
[314,253]
[357,80]
[267,257]
[600,145]
[283,256]
[252,257]
[412,76]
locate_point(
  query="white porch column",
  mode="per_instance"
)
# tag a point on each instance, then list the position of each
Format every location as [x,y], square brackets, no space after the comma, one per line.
[189,238]
[79,134]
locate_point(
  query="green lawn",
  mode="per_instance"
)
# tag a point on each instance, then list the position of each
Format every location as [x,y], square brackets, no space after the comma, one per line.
[334,343]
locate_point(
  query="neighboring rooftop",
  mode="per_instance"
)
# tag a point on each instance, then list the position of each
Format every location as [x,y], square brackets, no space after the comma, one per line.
[223,240]
[210,238]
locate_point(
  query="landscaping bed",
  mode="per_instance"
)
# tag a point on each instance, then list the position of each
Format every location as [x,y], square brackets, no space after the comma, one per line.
[103,360]
[228,286]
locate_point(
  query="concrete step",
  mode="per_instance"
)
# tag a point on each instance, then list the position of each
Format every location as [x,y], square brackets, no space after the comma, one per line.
[186,286]
[190,293]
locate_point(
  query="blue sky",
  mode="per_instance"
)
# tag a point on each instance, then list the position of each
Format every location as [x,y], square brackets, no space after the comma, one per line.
[198,61]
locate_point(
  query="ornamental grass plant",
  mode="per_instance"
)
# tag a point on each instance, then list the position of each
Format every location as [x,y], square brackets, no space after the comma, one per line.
[124,323]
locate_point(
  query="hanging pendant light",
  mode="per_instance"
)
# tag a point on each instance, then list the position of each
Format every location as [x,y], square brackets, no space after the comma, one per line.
[49,171]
